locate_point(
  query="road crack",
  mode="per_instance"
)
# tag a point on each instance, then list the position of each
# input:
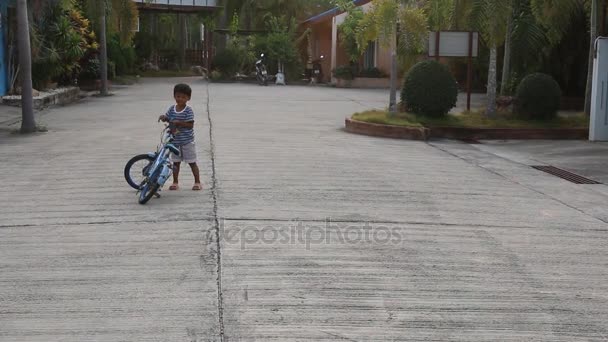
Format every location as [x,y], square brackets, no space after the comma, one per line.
[216,222]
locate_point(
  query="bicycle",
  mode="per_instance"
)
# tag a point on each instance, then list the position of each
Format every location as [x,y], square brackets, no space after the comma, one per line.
[155,169]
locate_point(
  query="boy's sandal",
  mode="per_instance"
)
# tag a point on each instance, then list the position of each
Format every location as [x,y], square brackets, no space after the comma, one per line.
[197,187]
[174,187]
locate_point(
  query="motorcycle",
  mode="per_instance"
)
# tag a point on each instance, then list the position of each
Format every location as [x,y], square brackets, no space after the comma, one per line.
[317,71]
[156,169]
[261,72]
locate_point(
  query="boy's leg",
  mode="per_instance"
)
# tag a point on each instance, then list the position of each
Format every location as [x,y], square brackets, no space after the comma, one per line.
[176,167]
[197,177]
[189,156]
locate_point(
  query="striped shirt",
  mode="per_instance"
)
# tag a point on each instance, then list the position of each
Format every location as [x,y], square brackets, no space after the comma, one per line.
[184,135]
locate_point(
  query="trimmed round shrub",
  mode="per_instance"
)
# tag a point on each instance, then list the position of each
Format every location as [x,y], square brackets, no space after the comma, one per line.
[429,89]
[538,97]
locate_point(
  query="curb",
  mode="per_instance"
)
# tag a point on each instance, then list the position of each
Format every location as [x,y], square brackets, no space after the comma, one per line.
[386,131]
[459,133]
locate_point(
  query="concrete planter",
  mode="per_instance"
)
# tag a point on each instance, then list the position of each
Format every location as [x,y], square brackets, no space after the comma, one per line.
[60,96]
[366,82]
[459,133]
[399,132]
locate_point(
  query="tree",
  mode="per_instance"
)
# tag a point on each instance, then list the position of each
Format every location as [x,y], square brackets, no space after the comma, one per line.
[490,18]
[349,29]
[556,16]
[103,50]
[382,22]
[28,123]
[110,16]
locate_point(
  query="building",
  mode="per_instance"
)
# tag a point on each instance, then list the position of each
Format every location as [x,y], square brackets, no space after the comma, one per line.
[325,41]
[197,51]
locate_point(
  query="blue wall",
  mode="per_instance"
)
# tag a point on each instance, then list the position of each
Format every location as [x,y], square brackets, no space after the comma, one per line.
[3,47]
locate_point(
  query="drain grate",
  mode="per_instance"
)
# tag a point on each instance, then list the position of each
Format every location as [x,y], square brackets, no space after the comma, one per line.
[569,176]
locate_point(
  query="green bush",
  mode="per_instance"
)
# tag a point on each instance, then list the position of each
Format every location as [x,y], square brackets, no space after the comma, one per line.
[372,73]
[429,89]
[215,75]
[227,62]
[538,97]
[60,39]
[124,57]
[90,70]
[344,72]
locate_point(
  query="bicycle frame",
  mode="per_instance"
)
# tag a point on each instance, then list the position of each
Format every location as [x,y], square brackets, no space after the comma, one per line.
[162,167]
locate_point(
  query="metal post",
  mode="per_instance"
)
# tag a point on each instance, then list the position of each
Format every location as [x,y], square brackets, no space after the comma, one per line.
[437,37]
[469,71]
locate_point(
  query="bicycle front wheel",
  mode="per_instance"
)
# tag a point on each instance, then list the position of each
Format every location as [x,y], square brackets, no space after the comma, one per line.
[147,191]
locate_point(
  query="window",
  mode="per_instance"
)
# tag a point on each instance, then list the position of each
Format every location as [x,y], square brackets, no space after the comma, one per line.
[369,57]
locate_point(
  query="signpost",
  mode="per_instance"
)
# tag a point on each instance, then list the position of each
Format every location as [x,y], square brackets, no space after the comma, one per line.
[456,44]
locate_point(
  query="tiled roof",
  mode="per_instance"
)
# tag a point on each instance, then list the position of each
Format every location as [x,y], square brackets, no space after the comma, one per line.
[332,12]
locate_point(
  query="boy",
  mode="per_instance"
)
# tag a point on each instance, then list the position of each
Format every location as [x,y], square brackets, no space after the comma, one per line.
[181,116]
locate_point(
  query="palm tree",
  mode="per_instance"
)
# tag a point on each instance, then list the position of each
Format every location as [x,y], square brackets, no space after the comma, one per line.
[490,18]
[382,23]
[103,49]
[28,124]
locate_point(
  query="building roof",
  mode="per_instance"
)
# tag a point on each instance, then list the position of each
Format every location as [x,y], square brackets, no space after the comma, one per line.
[177,5]
[332,12]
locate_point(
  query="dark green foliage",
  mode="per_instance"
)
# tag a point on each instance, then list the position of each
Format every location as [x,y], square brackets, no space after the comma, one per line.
[371,73]
[124,57]
[90,71]
[226,62]
[429,89]
[344,72]
[280,45]
[349,29]
[61,39]
[538,97]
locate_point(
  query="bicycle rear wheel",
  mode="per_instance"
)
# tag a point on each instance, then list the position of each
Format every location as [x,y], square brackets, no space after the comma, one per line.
[136,169]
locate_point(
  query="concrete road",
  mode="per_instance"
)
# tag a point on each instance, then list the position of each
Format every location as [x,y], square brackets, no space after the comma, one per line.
[304,232]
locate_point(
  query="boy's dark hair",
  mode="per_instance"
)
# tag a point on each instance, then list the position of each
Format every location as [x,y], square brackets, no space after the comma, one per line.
[182,89]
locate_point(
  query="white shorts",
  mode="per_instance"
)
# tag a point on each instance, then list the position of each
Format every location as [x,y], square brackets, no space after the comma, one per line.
[188,154]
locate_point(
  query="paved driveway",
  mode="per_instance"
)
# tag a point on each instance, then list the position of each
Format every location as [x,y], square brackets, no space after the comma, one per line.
[304,232]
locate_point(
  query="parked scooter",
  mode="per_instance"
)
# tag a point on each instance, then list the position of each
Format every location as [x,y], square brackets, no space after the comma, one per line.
[317,71]
[261,72]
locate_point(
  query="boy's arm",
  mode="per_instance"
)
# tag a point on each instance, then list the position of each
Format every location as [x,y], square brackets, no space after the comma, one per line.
[183,124]
[165,117]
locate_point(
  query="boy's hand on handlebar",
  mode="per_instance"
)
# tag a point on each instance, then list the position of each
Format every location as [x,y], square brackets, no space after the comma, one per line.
[163,118]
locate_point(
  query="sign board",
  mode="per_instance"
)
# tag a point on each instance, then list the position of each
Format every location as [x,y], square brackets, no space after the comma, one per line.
[453,44]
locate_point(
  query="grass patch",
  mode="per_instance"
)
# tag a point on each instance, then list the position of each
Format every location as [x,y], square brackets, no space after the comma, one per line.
[168,73]
[381,117]
[470,120]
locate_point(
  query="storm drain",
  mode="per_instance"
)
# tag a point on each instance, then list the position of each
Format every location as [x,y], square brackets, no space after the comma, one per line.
[569,176]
